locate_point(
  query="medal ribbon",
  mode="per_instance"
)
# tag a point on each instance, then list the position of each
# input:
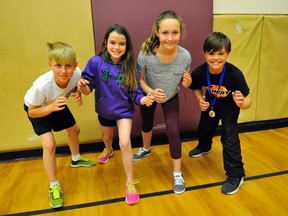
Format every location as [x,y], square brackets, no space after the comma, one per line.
[212,102]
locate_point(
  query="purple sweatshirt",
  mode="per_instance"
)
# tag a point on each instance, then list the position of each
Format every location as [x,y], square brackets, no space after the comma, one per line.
[112,101]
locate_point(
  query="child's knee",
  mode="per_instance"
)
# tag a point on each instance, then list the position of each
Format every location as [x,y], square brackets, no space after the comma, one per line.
[74,129]
[125,144]
[108,138]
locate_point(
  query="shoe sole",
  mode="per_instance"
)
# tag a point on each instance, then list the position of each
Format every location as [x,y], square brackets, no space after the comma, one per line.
[56,207]
[82,165]
[179,192]
[235,191]
[131,203]
[142,157]
[203,153]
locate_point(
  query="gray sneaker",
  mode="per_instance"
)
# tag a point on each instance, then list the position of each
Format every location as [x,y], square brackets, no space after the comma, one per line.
[179,184]
[141,154]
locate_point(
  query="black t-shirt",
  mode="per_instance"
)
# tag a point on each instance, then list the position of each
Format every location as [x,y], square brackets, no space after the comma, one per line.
[233,80]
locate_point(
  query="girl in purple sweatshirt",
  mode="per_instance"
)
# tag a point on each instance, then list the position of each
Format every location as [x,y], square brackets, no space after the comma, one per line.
[113,75]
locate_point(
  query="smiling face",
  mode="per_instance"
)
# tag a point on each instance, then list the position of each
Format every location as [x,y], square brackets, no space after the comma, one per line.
[216,60]
[169,33]
[216,48]
[116,46]
[62,72]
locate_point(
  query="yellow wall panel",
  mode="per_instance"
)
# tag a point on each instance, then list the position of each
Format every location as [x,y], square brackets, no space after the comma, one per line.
[259,44]
[244,32]
[26,27]
[273,75]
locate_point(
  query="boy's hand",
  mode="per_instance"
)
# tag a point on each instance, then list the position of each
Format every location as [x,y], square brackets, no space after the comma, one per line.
[59,103]
[77,97]
[238,98]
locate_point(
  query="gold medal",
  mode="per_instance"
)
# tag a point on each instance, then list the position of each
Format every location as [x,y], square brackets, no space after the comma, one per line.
[211,113]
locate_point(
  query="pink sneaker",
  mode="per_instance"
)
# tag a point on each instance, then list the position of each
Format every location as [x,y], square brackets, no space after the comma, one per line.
[105,155]
[132,195]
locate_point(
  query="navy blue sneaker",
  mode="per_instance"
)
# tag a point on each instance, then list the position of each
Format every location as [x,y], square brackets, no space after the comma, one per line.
[197,152]
[232,184]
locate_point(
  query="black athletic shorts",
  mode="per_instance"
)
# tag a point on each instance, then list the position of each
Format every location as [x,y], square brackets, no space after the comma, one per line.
[55,121]
[106,122]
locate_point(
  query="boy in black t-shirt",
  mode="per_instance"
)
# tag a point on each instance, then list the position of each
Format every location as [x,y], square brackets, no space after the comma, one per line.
[226,93]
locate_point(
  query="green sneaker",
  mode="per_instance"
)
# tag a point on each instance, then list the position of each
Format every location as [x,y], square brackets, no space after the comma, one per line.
[55,194]
[83,162]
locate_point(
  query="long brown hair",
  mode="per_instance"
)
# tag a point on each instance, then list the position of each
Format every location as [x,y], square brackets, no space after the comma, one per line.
[128,59]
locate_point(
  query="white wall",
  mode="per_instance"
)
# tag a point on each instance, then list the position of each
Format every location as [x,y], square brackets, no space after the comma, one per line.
[250,6]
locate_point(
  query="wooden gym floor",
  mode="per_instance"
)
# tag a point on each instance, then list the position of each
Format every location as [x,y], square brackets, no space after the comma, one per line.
[100,190]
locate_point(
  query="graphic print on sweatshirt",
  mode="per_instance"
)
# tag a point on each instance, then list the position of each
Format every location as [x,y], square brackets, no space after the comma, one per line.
[106,76]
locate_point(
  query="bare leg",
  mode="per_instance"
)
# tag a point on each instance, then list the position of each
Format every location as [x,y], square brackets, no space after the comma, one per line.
[124,129]
[73,139]
[49,159]
[177,165]
[108,134]
[147,136]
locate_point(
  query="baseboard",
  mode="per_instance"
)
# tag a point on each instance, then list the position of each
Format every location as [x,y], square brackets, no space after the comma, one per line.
[137,141]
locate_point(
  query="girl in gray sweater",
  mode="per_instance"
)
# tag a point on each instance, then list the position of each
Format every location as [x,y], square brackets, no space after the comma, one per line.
[164,65]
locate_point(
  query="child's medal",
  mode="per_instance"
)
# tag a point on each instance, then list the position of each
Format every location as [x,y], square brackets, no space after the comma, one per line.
[212,102]
[211,113]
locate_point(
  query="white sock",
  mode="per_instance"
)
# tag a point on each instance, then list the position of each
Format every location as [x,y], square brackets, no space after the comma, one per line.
[177,174]
[52,184]
[76,157]
[145,149]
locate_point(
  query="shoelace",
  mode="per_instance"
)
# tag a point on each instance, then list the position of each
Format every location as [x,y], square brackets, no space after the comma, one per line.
[141,150]
[231,180]
[56,192]
[83,159]
[178,180]
[131,186]
[105,152]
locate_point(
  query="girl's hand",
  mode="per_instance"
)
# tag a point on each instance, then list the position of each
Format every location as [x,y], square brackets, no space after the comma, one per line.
[147,100]
[186,79]
[81,85]
[159,95]
[204,105]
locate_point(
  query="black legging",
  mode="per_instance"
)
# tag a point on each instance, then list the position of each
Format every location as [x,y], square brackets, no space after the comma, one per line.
[171,114]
